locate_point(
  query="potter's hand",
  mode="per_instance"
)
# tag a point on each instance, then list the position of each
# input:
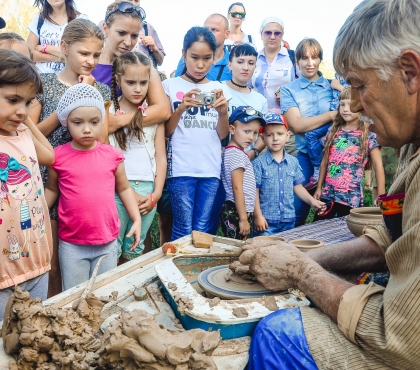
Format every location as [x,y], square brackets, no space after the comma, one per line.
[280,266]
[250,247]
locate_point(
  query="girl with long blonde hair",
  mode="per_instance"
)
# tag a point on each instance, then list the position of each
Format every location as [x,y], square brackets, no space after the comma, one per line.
[348,147]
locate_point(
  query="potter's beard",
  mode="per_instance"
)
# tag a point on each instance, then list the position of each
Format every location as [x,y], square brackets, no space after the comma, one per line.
[366,119]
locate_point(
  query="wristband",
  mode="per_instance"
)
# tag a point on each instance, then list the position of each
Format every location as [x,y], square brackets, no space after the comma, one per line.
[182,110]
[152,200]
[44,48]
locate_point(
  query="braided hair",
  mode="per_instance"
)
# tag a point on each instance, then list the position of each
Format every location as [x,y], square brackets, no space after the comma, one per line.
[135,127]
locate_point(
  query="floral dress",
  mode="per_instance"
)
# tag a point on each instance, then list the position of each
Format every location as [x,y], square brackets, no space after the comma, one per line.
[54,89]
[343,183]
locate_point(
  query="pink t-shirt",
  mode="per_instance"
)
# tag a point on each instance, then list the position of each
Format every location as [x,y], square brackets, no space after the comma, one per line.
[87,211]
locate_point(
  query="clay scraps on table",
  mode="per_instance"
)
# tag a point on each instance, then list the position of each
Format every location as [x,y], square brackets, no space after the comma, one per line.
[47,338]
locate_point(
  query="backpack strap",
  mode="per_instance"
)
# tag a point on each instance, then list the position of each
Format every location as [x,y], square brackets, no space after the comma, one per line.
[219,76]
[250,39]
[38,28]
[292,57]
[146,33]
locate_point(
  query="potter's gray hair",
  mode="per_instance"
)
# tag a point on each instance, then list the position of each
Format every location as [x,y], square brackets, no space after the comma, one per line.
[375,34]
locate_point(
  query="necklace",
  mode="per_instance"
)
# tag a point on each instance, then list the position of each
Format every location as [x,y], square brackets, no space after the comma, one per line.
[195,80]
[240,86]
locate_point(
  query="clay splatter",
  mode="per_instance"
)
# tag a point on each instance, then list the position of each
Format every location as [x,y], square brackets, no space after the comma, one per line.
[50,339]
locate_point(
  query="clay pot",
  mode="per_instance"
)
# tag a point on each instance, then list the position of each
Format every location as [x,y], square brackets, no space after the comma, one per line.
[361,217]
[305,245]
[271,237]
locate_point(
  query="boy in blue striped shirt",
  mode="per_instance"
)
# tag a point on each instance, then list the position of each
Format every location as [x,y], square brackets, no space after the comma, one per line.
[277,176]
[238,175]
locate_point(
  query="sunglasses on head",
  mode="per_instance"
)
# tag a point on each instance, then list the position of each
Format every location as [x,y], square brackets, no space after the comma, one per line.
[277,34]
[252,112]
[238,14]
[126,7]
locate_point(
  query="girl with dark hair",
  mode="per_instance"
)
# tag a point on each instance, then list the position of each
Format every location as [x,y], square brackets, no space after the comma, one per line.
[145,145]
[46,30]
[198,122]
[25,234]
[236,16]
[81,44]
[242,63]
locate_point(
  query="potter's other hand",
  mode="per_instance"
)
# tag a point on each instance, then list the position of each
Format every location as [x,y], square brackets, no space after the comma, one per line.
[135,231]
[238,268]
[279,267]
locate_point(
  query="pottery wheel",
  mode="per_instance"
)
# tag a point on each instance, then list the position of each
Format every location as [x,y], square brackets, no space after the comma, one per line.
[219,281]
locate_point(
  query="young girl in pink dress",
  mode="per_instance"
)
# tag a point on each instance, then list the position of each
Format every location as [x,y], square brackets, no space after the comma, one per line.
[86,174]
[25,234]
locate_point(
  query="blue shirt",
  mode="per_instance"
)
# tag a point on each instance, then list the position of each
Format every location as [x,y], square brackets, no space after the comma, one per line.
[214,71]
[312,99]
[275,182]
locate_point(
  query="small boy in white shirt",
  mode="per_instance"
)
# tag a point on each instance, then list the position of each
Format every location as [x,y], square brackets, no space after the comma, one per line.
[238,174]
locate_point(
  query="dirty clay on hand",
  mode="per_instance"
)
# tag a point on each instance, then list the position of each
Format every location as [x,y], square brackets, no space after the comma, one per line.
[63,338]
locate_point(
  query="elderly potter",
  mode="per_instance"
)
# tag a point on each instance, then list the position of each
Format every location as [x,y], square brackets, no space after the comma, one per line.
[358,326]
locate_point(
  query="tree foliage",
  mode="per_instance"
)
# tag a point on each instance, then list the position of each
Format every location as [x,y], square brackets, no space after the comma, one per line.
[17,14]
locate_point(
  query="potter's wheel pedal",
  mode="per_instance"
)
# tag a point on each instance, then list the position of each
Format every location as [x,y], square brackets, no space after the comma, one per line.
[220,282]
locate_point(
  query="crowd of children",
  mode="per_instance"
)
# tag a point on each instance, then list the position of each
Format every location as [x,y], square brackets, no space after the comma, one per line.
[100,150]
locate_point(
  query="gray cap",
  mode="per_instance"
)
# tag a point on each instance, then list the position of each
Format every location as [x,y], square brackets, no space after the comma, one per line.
[79,95]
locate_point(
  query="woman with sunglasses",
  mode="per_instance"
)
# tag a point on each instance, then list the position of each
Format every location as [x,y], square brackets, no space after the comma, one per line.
[275,68]
[123,22]
[149,42]
[236,16]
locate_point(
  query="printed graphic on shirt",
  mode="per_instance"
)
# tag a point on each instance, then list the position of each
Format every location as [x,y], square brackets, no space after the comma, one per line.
[343,183]
[19,193]
[207,120]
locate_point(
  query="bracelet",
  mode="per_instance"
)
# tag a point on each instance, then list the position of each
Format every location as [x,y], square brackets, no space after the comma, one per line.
[152,200]
[44,48]
[182,110]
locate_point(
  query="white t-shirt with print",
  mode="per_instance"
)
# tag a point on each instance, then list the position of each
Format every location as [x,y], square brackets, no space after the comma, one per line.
[251,99]
[194,148]
[49,34]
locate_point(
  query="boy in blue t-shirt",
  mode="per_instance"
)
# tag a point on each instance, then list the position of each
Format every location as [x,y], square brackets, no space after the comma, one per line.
[277,176]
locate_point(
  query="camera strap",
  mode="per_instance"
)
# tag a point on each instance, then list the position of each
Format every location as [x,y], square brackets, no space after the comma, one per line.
[219,76]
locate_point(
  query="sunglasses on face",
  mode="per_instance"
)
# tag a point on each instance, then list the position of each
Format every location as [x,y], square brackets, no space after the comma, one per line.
[238,15]
[126,7]
[277,34]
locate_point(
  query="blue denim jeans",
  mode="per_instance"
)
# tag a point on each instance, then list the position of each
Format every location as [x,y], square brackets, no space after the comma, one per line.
[301,208]
[273,229]
[279,343]
[314,143]
[214,221]
[192,203]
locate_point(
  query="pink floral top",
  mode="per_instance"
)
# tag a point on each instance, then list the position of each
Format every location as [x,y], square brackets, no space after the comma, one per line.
[343,183]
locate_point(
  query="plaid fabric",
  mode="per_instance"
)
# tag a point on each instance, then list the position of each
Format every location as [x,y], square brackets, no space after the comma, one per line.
[275,182]
[230,221]
[329,231]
